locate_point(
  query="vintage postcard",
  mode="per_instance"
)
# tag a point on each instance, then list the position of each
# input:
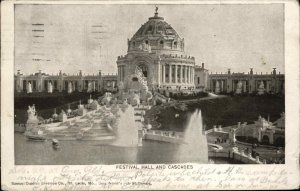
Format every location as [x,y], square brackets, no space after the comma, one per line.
[102,95]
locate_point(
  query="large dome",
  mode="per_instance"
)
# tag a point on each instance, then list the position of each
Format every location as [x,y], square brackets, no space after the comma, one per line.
[156,34]
[156,26]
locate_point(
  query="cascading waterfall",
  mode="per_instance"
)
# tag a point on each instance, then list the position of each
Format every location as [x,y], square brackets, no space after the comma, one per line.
[127,132]
[194,148]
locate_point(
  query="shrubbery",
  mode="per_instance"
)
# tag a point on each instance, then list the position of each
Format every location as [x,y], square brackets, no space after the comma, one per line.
[183,96]
[158,102]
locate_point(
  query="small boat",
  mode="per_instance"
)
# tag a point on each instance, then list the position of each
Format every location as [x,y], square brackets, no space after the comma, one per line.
[55,144]
[35,137]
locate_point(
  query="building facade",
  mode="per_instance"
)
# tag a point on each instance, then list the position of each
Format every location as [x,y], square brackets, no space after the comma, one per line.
[158,51]
[246,83]
[201,78]
[40,82]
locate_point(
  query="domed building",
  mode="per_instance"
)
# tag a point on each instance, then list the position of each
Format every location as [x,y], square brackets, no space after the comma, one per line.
[158,51]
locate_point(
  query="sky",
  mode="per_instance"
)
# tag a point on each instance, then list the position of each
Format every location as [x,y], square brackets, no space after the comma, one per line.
[91,37]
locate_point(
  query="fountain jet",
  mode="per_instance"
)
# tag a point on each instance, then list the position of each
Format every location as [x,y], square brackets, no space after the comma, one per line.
[194,148]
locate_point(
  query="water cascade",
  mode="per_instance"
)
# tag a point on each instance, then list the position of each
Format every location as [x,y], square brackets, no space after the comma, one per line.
[194,148]
[127,132]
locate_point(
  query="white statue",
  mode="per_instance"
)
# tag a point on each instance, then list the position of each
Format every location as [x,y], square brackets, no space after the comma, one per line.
[32,117]
[146,95]
[70,88]
[29,88]
[107,98]
[69,111]
[62,116]
[50,88]
[217,89]
[90,87]
[239,87]
[31,110]
[261,88]
[54,116]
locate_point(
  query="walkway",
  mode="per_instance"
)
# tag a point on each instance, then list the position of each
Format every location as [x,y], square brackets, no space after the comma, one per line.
[203,98]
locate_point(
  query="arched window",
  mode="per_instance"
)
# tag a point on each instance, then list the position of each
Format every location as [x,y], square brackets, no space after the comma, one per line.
[146,42]
[149,29]
[135,79]
[161,43]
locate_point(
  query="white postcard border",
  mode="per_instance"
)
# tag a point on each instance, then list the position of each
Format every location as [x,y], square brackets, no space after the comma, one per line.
[62,173]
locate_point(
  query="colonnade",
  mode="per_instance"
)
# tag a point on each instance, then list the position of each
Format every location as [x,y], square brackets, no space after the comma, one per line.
[53,83]
[33,84]
[218,85]
[177,74]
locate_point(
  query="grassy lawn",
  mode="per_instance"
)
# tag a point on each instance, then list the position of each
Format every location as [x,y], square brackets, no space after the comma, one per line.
[224,111]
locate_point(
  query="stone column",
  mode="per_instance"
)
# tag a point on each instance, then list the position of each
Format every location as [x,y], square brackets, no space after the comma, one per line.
[163,73]
[170,73]
[159,73]
[192,75]
[176,80]
[190,68]
[183,74]
[119,74]
[186,74]
[244,86]
[180,79]
[122,73]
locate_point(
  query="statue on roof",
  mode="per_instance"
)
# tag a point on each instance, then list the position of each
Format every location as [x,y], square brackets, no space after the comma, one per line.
[156,9]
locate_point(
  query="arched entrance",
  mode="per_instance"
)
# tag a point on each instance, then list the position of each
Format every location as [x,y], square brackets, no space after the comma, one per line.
[265,139]
[145,65]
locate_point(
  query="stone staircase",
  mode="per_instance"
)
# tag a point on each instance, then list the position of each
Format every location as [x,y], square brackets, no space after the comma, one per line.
[138,115]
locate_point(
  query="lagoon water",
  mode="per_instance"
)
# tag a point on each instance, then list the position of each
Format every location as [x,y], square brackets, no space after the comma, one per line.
[91,152]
